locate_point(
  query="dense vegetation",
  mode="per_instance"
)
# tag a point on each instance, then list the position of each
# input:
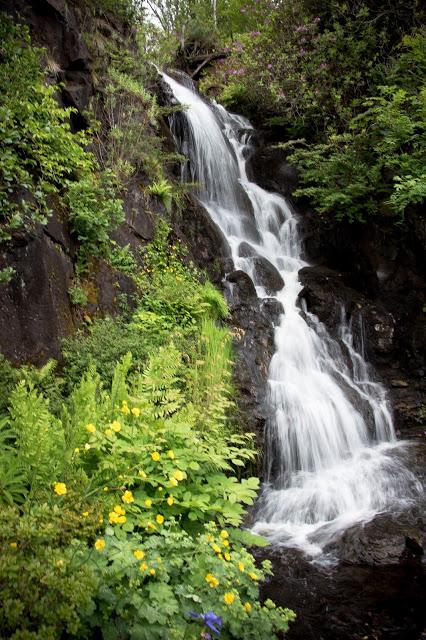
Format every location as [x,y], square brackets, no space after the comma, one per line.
[347,81]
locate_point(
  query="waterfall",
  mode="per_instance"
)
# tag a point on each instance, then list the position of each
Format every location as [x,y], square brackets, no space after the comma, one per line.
[331,455]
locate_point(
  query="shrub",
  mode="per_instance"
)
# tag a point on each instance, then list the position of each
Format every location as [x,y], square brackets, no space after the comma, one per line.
[44,587]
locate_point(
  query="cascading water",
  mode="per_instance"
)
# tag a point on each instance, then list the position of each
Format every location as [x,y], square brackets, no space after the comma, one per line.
[332,458]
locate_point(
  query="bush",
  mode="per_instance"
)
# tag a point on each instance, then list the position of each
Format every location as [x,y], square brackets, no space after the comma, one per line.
[44,587]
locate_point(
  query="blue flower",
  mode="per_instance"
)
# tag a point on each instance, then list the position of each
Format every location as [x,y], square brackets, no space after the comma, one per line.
[210,619]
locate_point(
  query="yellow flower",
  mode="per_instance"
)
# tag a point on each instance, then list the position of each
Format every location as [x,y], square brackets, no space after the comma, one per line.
[152,572]
[171,454]
[106,489]
[253,576]
[227,556]
[85,514]
[124,408]
[158,559]
[155,456]
[216,548]
[247,607]
[142,473]
[150,525]
[115,426]
[211,580]
[139,554]
[59,563]
[210,538]
[113,517]
[178,475]
[99,544]
[90,428]
[159,518]
[241,566]
[143,566]
[101,520]
[109,432]
[136,412]
[148,503]
[119,509]
[13,545]
[225,543]
[173,482]
[60,488]
[127,497]
[224,534]
[228,598]
[121,519]
[170,501]
[76,450]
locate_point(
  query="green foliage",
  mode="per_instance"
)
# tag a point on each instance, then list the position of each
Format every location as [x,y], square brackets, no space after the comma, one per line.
[77,295]
[122,259]
[44,587]
[349,78]
[164,191]
[94,212]
[106,342]
[124,522]
[151,597]
[39,437]
[378,161]
[6,275]
[38,151]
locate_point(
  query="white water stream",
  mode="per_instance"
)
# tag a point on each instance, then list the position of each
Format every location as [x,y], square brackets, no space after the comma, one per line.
[332,457]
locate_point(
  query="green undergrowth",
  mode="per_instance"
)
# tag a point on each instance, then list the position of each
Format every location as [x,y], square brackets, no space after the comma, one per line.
[123,480]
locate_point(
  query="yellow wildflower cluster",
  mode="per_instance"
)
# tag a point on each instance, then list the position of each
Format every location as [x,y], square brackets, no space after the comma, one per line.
[142,473]
[171,454]
[178,475]
[90,428]
[136,412]
[116,426]
[253,576]
[159,518]
[139,554]
[170,501]
[211,580]
[125,408]
[117,516]
[60,488]
[100,544]
[247,607]
[228,598]
[127,497]
[155,456]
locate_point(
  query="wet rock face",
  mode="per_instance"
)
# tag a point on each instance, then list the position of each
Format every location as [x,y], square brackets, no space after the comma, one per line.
[253,337]
[267,275]
[268,167]
[36,310]
[386,540]
[347,602]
